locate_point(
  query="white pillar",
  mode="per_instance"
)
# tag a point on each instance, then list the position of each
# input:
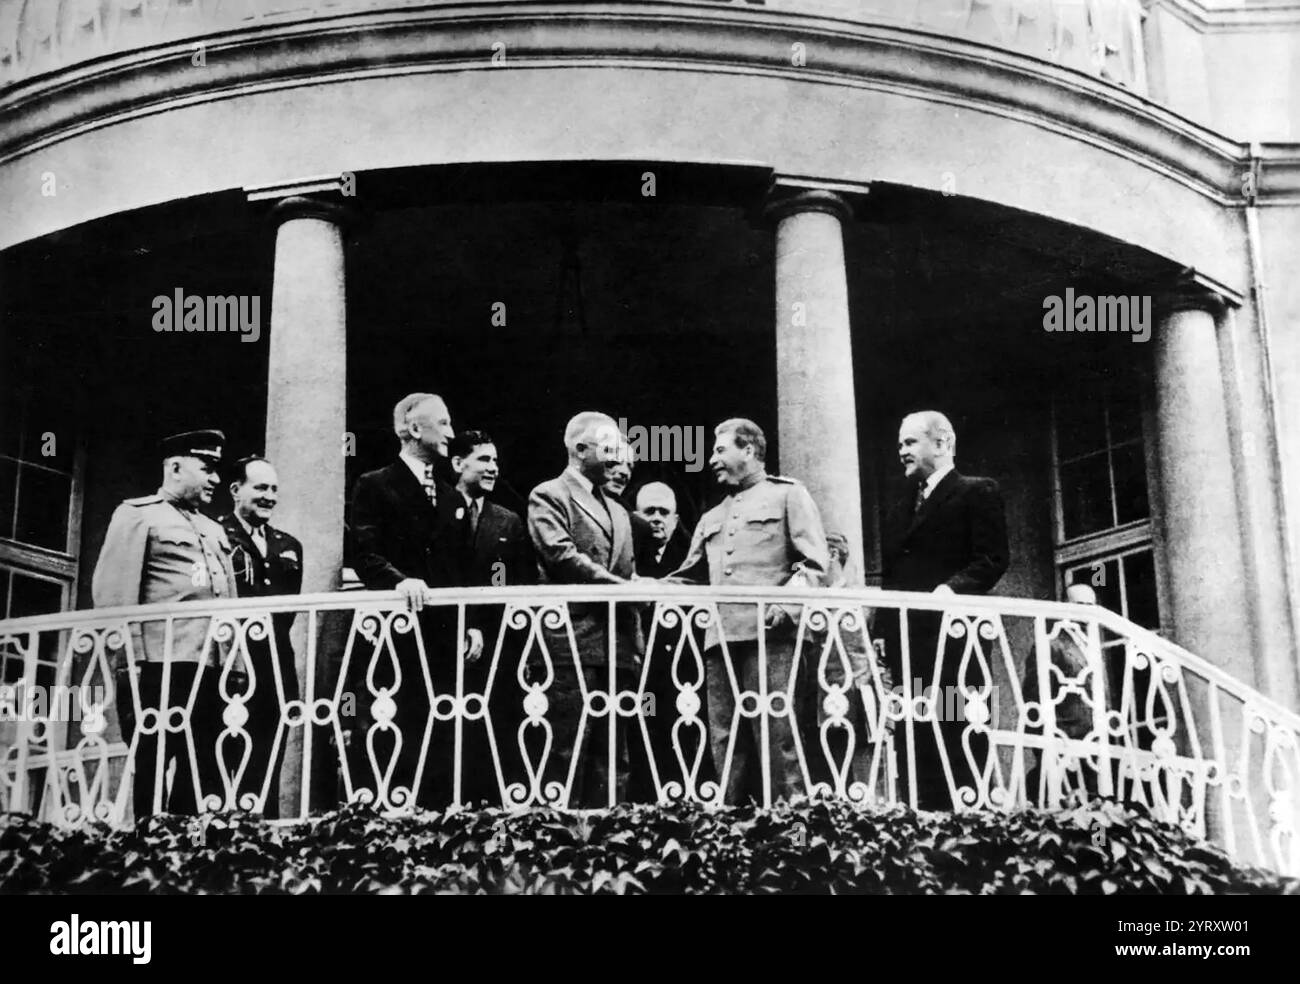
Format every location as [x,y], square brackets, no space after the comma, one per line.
[817,412]
[1202,541]
[306,405]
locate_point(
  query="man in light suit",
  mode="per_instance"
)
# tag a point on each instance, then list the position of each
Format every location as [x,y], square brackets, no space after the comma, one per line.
[947,535]
[494,552]
[583,536]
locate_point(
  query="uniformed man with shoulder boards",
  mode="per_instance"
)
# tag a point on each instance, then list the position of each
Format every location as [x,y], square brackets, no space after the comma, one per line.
[160,549]
[267,563]
[767,531]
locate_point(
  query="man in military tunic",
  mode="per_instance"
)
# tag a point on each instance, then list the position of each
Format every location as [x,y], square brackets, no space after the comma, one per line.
[267,562]
[767,531]
[160,549]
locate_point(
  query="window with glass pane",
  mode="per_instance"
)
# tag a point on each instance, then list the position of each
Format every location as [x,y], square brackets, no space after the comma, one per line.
[1101,460]
[37,452]
[1125,583]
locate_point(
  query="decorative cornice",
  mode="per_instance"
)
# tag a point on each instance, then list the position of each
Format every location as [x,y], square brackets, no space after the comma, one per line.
[671,36]
[1193,291]
[1233,15]
[301,207]
[792,197]
[327,185]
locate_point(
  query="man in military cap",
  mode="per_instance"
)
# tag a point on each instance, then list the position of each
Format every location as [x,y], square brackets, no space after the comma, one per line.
[767,531]
[161,549]
[267,561]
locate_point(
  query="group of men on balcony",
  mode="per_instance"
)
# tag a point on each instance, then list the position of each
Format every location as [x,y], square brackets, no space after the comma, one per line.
[411,531]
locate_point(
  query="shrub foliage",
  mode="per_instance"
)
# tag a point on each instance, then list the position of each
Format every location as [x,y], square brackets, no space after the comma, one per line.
[821,847]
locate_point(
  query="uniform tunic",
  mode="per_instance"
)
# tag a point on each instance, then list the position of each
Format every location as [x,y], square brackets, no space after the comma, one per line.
[767,532]
[156,551]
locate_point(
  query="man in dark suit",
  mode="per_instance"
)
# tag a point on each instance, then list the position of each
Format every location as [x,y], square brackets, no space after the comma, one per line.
[660,545]
[494,553]
[405,538]
[266,562]
[948,535]
[582,536]
[666,545]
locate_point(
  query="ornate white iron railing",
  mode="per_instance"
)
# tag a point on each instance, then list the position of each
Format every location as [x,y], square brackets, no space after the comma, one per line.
[998,703]
[1101,37]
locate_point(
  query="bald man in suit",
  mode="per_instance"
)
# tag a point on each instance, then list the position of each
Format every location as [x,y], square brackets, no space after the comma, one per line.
[583,536]
[947,535]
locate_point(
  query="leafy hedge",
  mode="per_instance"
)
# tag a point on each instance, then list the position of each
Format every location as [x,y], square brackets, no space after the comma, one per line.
[802,847]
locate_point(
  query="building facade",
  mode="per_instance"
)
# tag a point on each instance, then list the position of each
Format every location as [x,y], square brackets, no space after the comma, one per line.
[815,213]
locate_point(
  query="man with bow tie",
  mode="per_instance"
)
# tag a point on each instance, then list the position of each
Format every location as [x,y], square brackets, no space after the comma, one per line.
[582,535]
[946,535]
[405,538]
[266,562]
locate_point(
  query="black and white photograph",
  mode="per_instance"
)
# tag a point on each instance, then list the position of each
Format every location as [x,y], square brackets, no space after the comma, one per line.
[650,447]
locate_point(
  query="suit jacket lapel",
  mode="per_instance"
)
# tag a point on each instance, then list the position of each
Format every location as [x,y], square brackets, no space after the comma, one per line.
[240,540]
[588,504]
[622,535]
[946,487]
[407,486]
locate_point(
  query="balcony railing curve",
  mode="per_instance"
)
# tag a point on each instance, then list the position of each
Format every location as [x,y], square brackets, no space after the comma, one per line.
[580,697]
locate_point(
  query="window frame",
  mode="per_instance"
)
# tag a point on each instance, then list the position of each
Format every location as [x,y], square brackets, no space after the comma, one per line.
[1123,539]
[48,563]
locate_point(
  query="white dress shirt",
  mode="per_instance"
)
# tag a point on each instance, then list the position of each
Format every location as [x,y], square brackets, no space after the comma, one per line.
[936,477]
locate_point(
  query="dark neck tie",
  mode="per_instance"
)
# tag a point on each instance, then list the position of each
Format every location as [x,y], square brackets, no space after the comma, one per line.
[920,499]
[430,489]
[473,516]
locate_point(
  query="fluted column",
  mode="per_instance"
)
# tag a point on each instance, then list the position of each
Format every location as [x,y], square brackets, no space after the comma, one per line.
[817,422]
[1202,541]
[306,405]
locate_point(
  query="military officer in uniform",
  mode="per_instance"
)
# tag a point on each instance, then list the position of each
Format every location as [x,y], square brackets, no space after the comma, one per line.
[160,549]
[767,531]
[267,562]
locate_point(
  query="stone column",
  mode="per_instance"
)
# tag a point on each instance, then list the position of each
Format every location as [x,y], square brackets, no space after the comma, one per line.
[1202,541]
[305,421]
[1269,577]
[817,413]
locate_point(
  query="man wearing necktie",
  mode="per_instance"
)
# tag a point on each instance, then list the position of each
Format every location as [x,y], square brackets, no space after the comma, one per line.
[582,536]
[661,550]
[405,537]
[494,553]
[267,562]
[947,535]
